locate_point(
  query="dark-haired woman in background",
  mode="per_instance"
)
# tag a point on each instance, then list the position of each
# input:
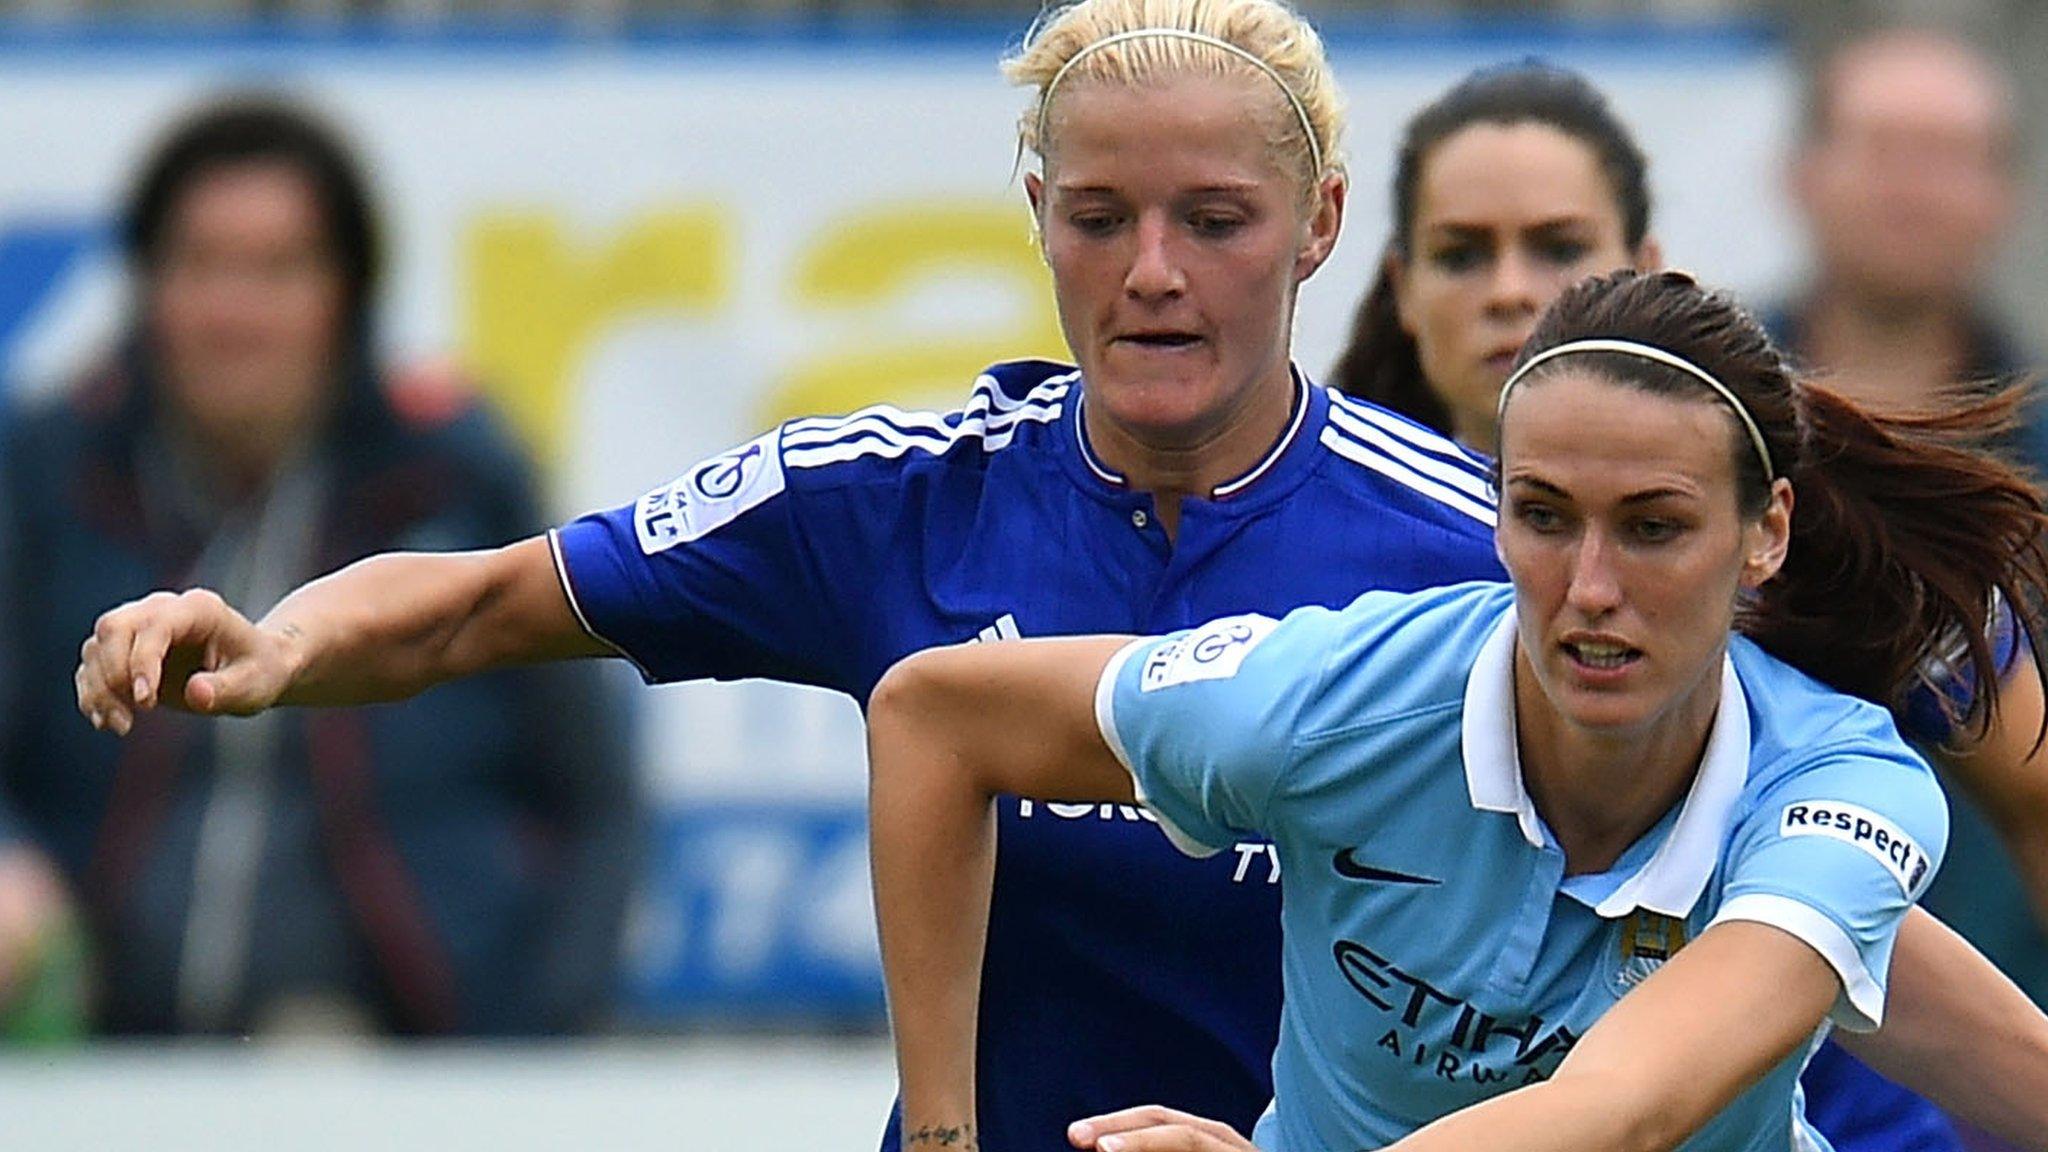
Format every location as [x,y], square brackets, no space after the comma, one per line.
[1512,186]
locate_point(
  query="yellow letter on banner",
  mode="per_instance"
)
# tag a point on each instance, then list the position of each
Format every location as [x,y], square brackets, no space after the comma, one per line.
[536,301]
[880,254]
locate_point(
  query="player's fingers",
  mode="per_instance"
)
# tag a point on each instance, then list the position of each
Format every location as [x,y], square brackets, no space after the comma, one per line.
[113,637]
[242,686]
[97,699]
[204,692]
[1171,1138]
[1155,1122]
[164,619]
[93,701]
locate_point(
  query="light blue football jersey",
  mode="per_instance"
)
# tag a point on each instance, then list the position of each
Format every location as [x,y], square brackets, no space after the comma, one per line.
[1435,952]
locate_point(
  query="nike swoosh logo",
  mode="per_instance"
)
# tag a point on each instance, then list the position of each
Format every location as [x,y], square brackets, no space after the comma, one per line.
[1347,866]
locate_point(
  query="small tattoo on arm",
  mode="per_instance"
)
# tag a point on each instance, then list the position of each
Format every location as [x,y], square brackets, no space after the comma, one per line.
[954,1138]
[291,631]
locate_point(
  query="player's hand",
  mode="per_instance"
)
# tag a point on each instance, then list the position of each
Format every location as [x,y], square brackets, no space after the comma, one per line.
[1155,1129]
[186,650]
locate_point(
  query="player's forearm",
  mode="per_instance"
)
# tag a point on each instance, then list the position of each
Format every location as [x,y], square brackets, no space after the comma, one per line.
[1571,1114]
[1961,1034]
[390,626]
[933,846]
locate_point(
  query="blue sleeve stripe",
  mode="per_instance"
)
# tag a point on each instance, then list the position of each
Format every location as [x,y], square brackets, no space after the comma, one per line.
[1378,461]
[1860,1008]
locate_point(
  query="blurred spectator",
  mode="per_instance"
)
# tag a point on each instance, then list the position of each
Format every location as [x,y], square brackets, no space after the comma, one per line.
[1905,177]
[458,863]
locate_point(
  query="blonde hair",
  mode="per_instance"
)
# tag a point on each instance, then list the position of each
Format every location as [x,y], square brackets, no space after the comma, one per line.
[1066,45]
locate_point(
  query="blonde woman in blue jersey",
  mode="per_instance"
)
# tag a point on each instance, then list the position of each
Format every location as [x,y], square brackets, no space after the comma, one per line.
[1591,861]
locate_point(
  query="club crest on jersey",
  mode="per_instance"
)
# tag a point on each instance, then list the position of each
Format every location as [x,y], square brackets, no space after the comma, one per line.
[1648,939]
[1215,651]
[710,495]
[1857,825]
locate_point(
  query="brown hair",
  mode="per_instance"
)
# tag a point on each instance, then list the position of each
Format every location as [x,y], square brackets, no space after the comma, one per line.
[1380,362]
[1907,530]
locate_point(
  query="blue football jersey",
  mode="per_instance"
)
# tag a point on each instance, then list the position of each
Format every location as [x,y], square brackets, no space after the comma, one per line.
[1118,971]
[1437,953]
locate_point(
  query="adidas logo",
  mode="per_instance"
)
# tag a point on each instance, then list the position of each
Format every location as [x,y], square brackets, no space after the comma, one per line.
[1005,628]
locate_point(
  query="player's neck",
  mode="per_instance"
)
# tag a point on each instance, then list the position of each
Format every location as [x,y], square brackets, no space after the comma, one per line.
[1600,791]
[1896,352]
[1177,467]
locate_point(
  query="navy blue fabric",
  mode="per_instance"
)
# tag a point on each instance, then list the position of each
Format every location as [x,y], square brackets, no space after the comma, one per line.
[1858,1109]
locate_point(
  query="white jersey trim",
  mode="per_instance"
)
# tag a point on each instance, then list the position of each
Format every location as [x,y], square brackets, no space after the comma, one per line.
[576,607]
[1434,443]
[1100,469]
[1377,460]
[1280,447]
[1460,473]
[1105,721]
[886,431]
[1860,1007]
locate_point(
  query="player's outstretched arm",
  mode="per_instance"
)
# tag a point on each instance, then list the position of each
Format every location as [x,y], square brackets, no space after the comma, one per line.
[1959,1033]
[948,730]
[380,629]
[1664,1060]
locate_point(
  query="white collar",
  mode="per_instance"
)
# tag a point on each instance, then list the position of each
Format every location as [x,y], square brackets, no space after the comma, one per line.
[1671,881]
[1107,475]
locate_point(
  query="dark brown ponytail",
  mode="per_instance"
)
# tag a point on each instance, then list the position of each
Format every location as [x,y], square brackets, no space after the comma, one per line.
[1904,526]
[1381,363]
[1908,530]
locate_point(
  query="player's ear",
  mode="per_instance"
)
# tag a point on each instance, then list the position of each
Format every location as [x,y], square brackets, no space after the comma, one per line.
[1325,221]
[1034,195]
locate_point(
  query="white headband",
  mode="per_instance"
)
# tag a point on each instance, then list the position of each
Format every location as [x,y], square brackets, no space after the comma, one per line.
[1657,355]
[1315,149]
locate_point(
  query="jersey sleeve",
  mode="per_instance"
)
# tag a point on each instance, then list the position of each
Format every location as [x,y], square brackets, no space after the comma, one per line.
[1205,720]
[1836,856]
[719,574]
[1947,686]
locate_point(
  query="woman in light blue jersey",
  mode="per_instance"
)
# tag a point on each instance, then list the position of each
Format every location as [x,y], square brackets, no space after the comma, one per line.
[1515,183]
[1629,835]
